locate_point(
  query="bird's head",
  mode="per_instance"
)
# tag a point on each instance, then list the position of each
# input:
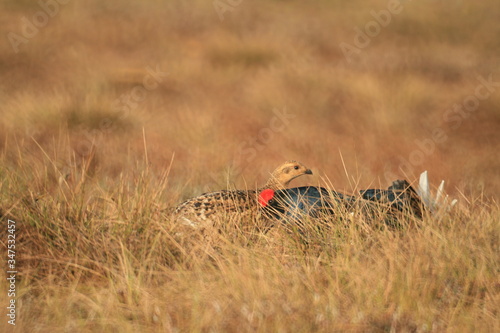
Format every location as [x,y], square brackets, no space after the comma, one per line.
[285,173]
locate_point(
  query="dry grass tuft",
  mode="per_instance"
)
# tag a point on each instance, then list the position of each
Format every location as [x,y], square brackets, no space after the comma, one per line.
[108,257]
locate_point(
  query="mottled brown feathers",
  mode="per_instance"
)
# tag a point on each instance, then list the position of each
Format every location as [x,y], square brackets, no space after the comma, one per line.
[203,210]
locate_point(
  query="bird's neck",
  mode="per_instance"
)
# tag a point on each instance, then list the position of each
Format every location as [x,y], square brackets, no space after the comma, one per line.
[274,184]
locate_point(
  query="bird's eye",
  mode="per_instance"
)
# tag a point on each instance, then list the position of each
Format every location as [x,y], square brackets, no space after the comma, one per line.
[296,167]
[271,202]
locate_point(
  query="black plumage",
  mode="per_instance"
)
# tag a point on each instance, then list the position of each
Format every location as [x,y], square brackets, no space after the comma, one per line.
[295,203]
[400,196]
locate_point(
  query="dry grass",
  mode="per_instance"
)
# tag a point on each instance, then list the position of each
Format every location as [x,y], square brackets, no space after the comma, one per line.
[90,186]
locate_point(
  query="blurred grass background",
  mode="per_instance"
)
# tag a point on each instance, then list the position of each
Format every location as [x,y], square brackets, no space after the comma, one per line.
[226,76]
[209,122]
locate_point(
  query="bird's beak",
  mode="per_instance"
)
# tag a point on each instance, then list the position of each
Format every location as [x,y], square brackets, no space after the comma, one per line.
[309,172]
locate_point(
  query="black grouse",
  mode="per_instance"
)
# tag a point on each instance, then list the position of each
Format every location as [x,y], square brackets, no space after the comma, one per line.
[295,203]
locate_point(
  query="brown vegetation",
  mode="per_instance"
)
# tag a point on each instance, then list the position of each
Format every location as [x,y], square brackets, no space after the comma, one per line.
[113,112]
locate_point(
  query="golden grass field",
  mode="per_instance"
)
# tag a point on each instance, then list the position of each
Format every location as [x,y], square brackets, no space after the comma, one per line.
[114,112]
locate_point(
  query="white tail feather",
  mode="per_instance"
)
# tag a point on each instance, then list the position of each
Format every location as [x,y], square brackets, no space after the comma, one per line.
[423,189]
[437,203]
[440,191]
